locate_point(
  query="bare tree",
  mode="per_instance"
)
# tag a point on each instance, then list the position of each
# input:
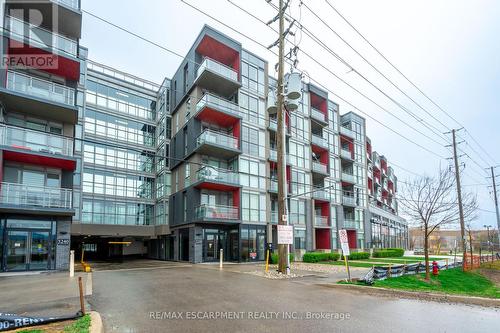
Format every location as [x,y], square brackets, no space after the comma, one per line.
[432,203]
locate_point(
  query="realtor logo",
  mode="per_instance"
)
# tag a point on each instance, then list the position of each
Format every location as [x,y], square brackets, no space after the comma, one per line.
[31,35]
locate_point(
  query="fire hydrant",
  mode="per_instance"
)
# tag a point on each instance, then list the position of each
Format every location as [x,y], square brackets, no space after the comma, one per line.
[435,268]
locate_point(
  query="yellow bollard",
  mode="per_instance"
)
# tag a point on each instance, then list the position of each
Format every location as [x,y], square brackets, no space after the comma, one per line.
[267,260]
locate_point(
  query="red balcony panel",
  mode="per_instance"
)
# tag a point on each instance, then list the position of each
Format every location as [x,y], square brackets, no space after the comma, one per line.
[66,67]
[26,157]
[212,48]
[236,199]
[213,116]
[323,239]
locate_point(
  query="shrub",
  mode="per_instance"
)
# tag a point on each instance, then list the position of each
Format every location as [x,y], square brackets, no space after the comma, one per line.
[358,256]
[274,258]
[312,257]
[387,253]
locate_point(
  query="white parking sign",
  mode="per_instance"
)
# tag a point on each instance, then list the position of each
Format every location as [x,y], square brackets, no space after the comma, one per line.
[344,242]
[285,234]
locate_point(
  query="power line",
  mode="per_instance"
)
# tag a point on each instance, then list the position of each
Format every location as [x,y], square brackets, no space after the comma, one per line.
[406,78]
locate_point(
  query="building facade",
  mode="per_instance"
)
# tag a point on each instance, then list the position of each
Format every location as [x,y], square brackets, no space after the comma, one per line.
[180,170]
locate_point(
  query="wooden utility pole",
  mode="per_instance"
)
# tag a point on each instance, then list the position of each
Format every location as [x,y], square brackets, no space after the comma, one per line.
[283,265]
[496,202]
[459,193]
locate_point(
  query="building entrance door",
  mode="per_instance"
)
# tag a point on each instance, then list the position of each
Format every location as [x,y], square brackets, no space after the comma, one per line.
[27,250]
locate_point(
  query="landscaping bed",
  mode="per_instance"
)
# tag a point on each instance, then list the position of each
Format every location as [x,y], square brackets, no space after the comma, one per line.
[81,325]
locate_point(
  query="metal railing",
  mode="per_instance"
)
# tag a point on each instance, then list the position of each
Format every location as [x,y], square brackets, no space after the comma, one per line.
[347,131]
[350,223]
[273,186]
[35,196]
[211,100]
[318,115]
[217,67]
[347,177]
[320,193]
[106,70]
[206,211]
[319,167]
[321,221]
[348,199]
[273,124]
[346,154]
[273,154]
[22,138]
[218,138]
[40,88]
[75,4]
[40,37]
[208,173]
[319,141]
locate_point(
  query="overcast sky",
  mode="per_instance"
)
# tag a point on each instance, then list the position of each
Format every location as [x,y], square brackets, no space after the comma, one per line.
[449,48]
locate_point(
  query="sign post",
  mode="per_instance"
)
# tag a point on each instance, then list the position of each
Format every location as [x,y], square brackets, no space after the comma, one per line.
[285,237]
[344,243]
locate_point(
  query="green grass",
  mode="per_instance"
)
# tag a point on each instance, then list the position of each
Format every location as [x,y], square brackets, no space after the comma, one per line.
[452,281]
[82,325]
[31,331]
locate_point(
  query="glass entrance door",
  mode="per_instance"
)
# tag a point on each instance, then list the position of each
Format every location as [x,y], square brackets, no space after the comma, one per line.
[27,250]
[39,254]
[212,246]
[17,250]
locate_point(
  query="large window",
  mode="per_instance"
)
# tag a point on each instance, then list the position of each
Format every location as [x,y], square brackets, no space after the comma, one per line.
[300,182]
[253,207]
[252,141]
[120,100]
[115,128]
[299,241]
[298,211]
[253,242]
[116,212]
[297,155]
[252,173]
[252,73]
[253,108]
[113,157]
[115,184]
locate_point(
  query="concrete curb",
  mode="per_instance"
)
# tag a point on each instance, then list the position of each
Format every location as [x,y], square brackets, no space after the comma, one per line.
[95,323]
[421,295]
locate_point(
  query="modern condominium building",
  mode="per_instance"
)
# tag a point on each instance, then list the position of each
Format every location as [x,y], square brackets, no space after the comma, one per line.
[97,159]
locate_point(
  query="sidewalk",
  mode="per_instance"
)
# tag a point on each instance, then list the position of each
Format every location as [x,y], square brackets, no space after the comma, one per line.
[44,294]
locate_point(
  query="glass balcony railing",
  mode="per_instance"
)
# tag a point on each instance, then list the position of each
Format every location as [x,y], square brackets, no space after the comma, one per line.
[273,154]
[22,138]
[40,88]
[273,124]
[320,193]
[40,37]
[321,221]
[218,68]
[318,115]
[349,178]
[73,4]
[346,154]
[319,167]
[348,199]
[217,212]
[208,173]
[35,196]
[347,132]
[319,141]
[350,223]
[214,101]
[218,138]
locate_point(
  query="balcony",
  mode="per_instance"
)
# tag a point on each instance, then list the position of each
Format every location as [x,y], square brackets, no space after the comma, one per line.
[351,224]
[319,167]
[39,97]
[318,115]
[217,77]
[346,154]
[321,221]
[319,141]
[273,155]
[216,212]
[33,35]
[320,194]
[17,197]
[348,178]
[36,141]
[347,132]
[219,179]
[348,199]
[273,126]
[274,217]
[209,103]
[73,4]
[217,144]
[273,186]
